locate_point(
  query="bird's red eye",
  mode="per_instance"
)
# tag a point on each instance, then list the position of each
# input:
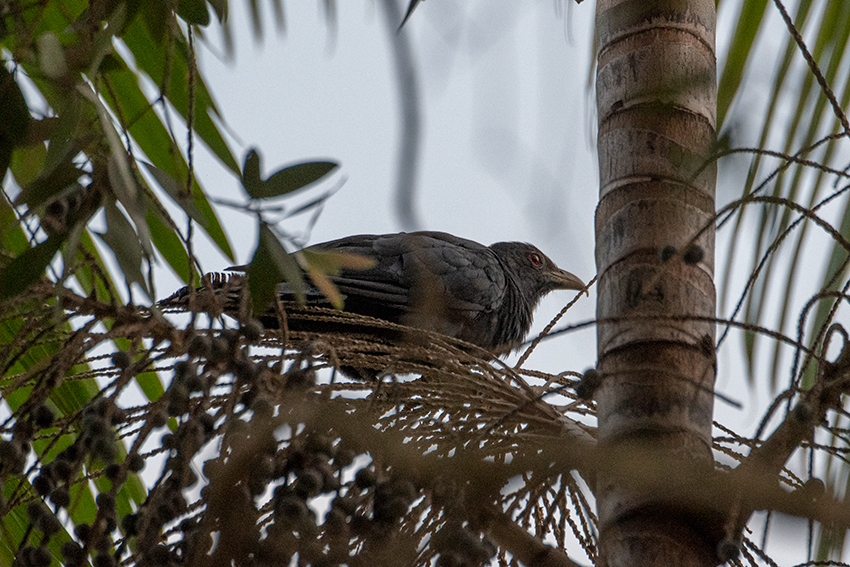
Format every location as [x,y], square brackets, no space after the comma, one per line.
[535,259]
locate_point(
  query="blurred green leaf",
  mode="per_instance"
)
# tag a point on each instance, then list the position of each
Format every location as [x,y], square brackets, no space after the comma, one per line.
[26,269]
[123,241]
[283,181]
[194,12]
[27,162]
[251,180]
[49,186]
[270,266]
[747,25]
[296,177]
[14,117]
[220,7]
[155,65]
[325,285]
[175,191]
[156,16]
[151,135]
[13,241]
[168,243]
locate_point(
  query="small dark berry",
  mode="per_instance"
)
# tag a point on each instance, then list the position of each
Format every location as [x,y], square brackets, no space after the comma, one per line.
[130,524]
[83,532]
[803,412]
[183,369]
[121,360]
[693,255]
[159,418]
[309,483]
[35,510]
[94,425]
[178,399]
[72,552]
[135,462]
[207,422]
[40,557]
[49,524]
[104,448]
[43,416]
[252,330]
[218,350]
[667,253]
[319,444]
[103,406]
[168,441]
[60,497]
[727,550]
[588,384]
[106,502]
[42,484]
[335,521]
[300,378]
[344,457]
[262,408]
[365,478]
[12,457]
[104,560]
[110,523]
[199,346]
[291,508]
[71,453]
[118,416]
[245,370]
[230,336]
[61,468]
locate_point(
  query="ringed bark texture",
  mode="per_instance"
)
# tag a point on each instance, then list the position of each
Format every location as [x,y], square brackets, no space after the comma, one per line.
[656,100]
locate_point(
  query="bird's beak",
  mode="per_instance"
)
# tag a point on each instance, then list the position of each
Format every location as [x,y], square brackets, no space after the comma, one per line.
[562,279]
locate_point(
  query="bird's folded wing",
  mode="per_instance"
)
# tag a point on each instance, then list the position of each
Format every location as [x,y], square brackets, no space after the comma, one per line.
[385,291]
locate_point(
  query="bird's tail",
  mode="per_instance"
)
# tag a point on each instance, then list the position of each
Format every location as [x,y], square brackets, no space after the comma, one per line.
[217,293]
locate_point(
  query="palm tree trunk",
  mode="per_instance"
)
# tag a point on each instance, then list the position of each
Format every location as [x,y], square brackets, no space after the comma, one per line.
[656,99]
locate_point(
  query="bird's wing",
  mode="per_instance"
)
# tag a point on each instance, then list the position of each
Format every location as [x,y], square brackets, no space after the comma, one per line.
[422,267]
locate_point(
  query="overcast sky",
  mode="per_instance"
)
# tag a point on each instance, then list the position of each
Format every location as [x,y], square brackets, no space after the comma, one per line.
[507,149]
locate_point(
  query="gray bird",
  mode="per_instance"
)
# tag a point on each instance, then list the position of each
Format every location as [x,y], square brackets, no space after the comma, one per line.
[484,295]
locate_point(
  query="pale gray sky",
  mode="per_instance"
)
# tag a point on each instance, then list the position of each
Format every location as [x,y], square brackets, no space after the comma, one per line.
[508,147]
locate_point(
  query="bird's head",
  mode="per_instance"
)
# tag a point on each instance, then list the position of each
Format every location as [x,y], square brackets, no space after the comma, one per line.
[535,273]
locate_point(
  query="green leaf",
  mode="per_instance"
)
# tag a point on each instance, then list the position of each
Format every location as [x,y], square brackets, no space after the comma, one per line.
[271,265]
[27,162]
[156,15]
[27,268]
[14,117]
[283,181]
[13,241]
[49,185]
[194,12]
[153,62]
[175,191]
[220,7]
[124,243]
[297,176]
[151,135]
[749,20]
[251,180]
